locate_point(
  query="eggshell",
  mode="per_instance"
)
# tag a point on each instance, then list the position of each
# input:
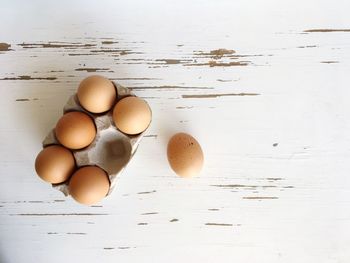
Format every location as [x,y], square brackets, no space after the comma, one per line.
[185,155]
[96,94]
[75,130]
[88,185]
[111,150]
[132,115]
[54,164]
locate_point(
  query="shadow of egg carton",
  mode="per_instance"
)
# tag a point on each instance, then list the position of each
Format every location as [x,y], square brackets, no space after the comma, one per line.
[111,149]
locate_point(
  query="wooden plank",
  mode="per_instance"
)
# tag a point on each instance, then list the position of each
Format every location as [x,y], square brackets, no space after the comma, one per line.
[262,85]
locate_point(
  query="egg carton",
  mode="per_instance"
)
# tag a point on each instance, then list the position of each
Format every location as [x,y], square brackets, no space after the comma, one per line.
[111,149]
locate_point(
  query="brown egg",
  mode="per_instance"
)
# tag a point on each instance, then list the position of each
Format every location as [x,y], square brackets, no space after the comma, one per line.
[96,94]
[54,164]
[89,185]
[185,155]
[75,130]
[132,115]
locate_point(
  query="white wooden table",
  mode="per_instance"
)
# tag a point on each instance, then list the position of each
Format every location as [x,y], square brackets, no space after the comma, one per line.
[262,85]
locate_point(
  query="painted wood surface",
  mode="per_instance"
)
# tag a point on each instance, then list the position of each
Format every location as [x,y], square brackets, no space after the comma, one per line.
[262,85]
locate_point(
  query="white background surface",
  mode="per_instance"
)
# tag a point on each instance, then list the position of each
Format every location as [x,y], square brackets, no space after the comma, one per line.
[254,202]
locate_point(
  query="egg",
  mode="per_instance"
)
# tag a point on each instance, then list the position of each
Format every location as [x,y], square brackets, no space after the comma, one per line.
[132,115]
[96,94]
[54,164]
[185,155]
[88,185]
[75,130]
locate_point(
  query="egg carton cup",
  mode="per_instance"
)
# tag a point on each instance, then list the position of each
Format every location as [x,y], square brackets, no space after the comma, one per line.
[111,149]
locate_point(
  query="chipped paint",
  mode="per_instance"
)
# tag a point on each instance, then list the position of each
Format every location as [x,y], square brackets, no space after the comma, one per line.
[217,53]
[223,207]
[137,59]
[224,80]
[216,57]
[56,45]
[228,64]
[150,213]
[108,42]
[170,61]
[128,52]
[82,54]
[92,69]
[209,96]
[213,63]
[325,30]
[149,192]
[184,107]
[218,224]
[329,62]
[104,50]
[26,77]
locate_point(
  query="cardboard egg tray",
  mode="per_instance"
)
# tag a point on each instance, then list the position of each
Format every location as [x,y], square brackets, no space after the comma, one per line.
[111,149]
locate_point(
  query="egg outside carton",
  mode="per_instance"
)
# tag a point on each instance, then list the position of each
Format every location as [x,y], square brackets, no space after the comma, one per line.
[111,149]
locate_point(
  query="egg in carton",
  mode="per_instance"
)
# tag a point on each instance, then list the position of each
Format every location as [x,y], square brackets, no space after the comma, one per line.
[111,149]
